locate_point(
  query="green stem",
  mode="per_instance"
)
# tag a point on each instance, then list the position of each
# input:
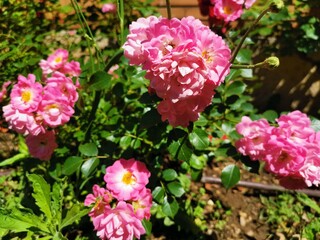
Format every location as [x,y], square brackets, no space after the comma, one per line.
[235,52]
[120,10]
[87,33]
[168,8]
[98,94]
[247,66]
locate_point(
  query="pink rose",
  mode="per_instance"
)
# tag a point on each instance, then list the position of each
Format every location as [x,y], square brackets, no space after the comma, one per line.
[126,178]
[42,145]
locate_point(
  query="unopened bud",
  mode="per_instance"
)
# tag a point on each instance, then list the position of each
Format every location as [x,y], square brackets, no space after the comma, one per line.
[271,62]
[276,5]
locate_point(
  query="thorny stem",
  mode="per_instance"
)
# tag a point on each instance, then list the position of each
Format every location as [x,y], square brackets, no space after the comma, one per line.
[168,8]
[235,52]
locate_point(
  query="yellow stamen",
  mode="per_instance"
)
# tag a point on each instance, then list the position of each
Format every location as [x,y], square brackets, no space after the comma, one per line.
[128,178]
[227,10]
[58,59]
[26,95]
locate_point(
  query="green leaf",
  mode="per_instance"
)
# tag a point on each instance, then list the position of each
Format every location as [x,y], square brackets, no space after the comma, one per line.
[56,203]
[170,208]
[270,115]
[244,56]
[89,166]
[147,226]
[235,88]
[125,141]
[169,174]
[181,151]
[88,149]
[18,221]
[309,202]
[71,165]
[74,214]
[199,139]
[158,194]
[176,188]
[230,176]
[99,81]
[198,162]
[41,194]
[150,118]
[315,124]
[12,160]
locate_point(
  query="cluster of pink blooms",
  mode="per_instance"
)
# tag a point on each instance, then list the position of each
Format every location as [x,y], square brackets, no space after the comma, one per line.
[119,208]
[223,10]
[184,60]
[35,110]
[290,150]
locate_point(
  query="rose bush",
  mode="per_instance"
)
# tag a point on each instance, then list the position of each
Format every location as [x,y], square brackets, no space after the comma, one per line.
[173,94]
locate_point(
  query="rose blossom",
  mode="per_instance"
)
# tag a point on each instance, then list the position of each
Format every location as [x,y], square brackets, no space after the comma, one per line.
[23,122]
[55,61]
[185,61]
[65,85]
[42,146]
[290,150]
[55,108]
[255,135]
[142,204]
[227,10]
[101,199]
[125,178]
[26,94]
[119,223]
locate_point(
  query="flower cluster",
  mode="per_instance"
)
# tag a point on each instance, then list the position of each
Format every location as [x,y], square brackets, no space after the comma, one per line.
[119,208]
[184,60]
[223,10]
[34,110]
[290,150]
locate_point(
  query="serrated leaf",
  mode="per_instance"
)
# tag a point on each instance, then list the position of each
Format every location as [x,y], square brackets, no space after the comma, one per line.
[88,149]
[158,194]
[170,208]
[18,221]
[169,174]
[71,165]
[89,166]
[230,176]
[56,203]
[99,81]
[41,194]
[199,139]
[74,214]
[175,188]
